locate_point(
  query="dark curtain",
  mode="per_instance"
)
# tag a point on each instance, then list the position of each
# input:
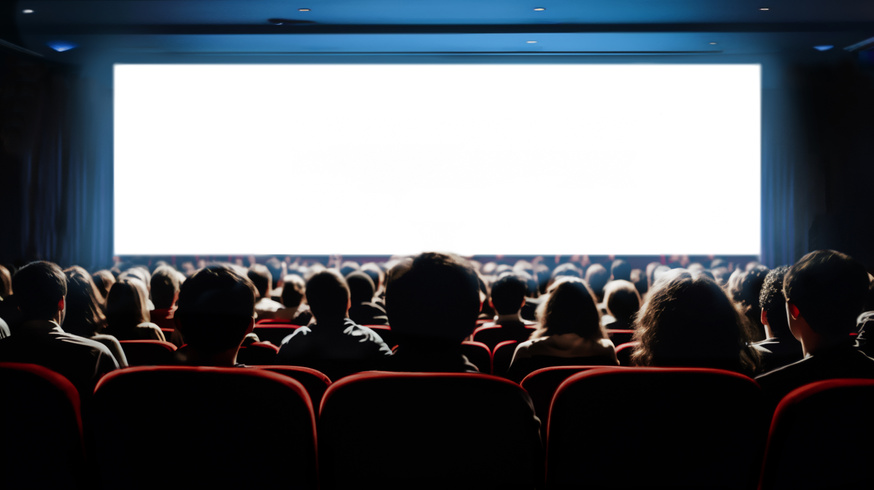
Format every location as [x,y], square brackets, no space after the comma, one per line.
[56,192]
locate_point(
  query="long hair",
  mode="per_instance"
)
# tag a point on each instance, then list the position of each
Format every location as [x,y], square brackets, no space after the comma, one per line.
[690,321]
[84,314]
[569,308]
[126,305]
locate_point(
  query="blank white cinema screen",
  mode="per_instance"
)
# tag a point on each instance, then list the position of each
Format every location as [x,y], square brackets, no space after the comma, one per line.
[373,159]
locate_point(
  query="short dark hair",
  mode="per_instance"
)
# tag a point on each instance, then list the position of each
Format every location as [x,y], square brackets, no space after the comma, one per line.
[773,303]
[622,300]
[293,289]
[164,286]
[620,270]
[508,293]
[361,287]
[327,294]
[260,276]
[215,308]
[597,277]
[829,289]
[38,288]
[433,295]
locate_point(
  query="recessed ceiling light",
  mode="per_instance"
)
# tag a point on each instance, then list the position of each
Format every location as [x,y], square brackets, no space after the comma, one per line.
[539,9]
[764,9]
[303,10]
[823,47]
[713,44]
[61,46]
[531,42]
[27,11]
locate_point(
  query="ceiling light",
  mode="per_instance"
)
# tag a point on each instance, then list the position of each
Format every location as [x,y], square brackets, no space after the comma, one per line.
[713,44]
[531,42]
[823,47]
[764,9]
[539,9]
[303,10]
[61,46]
[27,11]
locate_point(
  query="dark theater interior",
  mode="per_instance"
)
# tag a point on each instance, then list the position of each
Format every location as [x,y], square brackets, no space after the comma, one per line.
[436,244]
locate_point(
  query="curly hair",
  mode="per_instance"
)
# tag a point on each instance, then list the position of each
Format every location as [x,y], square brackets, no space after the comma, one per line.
[690,321]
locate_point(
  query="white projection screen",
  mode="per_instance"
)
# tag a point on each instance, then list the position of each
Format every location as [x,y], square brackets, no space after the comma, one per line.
[478,159]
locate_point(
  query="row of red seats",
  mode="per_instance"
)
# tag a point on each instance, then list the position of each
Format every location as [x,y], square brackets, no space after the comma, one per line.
[190,427]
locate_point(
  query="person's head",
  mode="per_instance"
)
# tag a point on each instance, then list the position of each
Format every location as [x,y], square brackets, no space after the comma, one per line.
[126,305]
[5,283]
[84,315]
[216,309]
[622,300]
[508,294]
[377,275]
[348,267]
[690,321]
[773,303]
[260,276]
[361,287]
[433,296]
[104,280]
[40,290]
[570,307]
[293,290]
[827,290]
[165,287]
[328,296]
[597,277]
[620,270]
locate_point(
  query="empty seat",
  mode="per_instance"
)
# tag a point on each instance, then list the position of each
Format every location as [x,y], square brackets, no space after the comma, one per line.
[257,353]
[40,429]
[680,428]
[820,437]
[542,384]
[502,356]
[231,428]
[148,352]
[314,381]
[428,430]
[274,333]
[479,355]
[492,335]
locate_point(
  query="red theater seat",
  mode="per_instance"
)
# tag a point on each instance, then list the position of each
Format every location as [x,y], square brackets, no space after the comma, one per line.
[543,383]
[231,428]
[40,429]
[274,332]
[821,437]
[314,381]
[478,354]
[492,335]
[623,352]
[680,428]
[148,352]
[428,430]
[257,353]
[503,356]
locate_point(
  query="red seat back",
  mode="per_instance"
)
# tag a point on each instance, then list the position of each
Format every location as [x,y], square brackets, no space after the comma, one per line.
[502,356]
[478,354]
[274,333]
[314,381]
[623,352]
[680,428]
[543,383]
[434,430]
[148,352]
[41,429]
[821,437]
[231,428]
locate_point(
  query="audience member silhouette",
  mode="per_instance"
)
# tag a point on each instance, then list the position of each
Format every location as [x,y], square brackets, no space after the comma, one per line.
[433,301]
[8,310]
[507,298]
[84,316]
[825,293]
[779,347]
[104,280]
[622,302]
[41,290]
[570,332]
[215,311]
[364,311]
[294,309]
[165,284]
[620,270]
[745,292]
[334,344]
[689,321]
[127,313]
[260,276]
